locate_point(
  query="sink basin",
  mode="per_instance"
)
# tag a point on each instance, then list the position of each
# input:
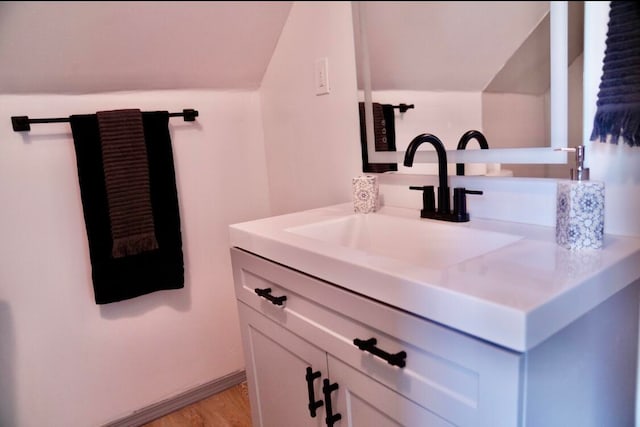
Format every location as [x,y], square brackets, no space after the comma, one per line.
[427,243]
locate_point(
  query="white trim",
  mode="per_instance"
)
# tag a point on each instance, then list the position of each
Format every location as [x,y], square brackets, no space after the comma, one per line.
[160,409]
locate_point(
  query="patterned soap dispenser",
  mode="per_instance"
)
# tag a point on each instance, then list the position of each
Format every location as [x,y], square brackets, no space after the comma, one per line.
[580,208]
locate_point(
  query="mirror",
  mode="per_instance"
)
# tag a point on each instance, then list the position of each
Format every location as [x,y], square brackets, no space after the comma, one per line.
[457,63]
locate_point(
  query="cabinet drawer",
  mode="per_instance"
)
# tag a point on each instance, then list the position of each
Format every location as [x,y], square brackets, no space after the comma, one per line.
[464,380]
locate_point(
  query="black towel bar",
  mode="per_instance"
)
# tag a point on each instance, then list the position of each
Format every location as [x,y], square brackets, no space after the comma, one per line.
[23,123]
[403,107]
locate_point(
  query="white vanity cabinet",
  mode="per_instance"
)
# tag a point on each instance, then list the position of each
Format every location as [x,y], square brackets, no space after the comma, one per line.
[448,379]
[526,334]
[283,367]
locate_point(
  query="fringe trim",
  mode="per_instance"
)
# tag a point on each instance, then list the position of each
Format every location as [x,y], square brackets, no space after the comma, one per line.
[623,124]
[132,245]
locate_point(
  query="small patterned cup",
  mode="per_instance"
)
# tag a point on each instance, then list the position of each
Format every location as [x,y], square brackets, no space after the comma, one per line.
[365,194]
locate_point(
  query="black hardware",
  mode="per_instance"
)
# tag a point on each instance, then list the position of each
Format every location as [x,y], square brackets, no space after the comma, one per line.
[23,123]
[369,345]
[443,211]
[464,140]
[459,213]
[428,200]
[460,203]
[266,293]
[443,189]
[189,114]
[313,403]
[403,107]
[326,390]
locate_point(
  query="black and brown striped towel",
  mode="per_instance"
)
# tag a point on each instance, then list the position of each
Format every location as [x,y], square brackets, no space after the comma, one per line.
[384,131]
[130,202]
[126,173]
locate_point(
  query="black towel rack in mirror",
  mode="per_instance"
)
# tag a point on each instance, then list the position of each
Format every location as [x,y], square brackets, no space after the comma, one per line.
[23,123]
[403,107]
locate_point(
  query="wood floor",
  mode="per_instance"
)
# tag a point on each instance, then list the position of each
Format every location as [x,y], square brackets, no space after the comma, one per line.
[229,408]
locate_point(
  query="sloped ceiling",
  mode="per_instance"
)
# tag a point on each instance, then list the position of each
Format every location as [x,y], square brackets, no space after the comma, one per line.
[462,45]
[102,46]
[445,46]
[88,47]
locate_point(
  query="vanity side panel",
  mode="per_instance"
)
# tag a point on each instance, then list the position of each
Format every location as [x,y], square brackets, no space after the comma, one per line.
[585,375]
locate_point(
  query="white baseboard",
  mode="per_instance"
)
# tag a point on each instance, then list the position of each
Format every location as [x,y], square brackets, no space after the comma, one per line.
[160,409]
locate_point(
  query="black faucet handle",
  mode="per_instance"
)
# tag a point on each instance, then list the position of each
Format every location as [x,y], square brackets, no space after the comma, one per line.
[428,199]
[460,203]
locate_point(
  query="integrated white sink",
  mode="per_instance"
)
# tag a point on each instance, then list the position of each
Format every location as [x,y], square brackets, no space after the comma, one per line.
[506,283]
[426,243]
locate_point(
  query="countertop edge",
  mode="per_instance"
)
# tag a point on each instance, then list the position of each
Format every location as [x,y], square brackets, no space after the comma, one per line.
[517,329]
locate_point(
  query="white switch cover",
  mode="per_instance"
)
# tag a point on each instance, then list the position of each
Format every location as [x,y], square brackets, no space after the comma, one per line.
[322,76]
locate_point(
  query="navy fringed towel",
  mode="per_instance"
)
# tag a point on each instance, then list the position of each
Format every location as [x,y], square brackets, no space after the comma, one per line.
[144,269]
[384,130]
[618,112]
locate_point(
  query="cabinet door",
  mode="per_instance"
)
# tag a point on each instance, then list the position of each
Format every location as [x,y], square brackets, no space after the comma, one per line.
[364,402]
[277,363]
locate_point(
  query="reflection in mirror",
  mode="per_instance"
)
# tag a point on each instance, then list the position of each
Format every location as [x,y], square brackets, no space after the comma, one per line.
[464,66]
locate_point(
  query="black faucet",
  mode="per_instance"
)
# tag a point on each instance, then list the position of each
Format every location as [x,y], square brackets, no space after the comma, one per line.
[462,144]
[443,211]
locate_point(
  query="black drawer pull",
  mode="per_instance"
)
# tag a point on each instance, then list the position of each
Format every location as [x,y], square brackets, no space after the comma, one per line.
[326,390]
[369,345]
[313,403]
[266,293]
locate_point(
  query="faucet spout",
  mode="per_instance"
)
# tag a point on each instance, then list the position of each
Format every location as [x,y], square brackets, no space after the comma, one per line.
[443,190]
[464,140]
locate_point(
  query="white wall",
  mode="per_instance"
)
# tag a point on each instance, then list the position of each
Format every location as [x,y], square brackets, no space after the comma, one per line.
[65,361]
[517,120]
[312,142]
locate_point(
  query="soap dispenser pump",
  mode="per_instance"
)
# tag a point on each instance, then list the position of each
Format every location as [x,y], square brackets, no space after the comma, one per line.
[580,173]
[580,208]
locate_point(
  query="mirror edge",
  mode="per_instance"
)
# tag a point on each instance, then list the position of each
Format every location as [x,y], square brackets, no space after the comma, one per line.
[559,105]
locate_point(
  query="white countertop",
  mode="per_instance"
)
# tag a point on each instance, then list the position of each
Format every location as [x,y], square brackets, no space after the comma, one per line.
[515,296]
